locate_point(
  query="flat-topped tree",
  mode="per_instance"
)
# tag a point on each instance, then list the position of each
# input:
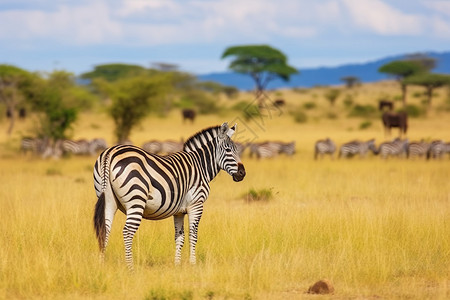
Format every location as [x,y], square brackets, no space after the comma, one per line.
[402,69]
[430,81]
[262,62]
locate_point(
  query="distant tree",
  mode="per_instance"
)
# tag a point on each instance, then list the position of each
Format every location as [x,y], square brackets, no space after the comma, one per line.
[331,95]
[132,100]
[113,72]
[428,63]
[430,81]
[165,67]
[402,69]
[350,81]
[13,81]
[263,63]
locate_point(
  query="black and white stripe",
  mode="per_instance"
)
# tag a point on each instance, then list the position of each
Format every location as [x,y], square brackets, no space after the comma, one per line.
[322,147]
[397,148]
[154,187]
[353,148]
[438,149]
[417,149]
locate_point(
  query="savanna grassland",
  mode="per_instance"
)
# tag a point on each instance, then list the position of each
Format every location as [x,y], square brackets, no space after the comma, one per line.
[375,228]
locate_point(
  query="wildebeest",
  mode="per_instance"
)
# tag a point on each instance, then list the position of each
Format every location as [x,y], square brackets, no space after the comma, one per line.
[279,103]
[188,114]
[382,104]
[399,120]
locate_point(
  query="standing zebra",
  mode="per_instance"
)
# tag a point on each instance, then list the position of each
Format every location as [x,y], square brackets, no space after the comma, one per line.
[356,147]
[323,147]
[437,149]
[153,147]
[154,187]
[417,149]
[288,148]
[395,148]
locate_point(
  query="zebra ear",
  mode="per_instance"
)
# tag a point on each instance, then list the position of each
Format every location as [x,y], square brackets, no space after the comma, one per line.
[232,130]
[224,129]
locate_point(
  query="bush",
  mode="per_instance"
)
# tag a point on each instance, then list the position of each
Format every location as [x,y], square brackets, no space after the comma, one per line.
[240,106]
[348,101]
[200,100]
[363,111]
[299,116]
[258,195]
[365,125]
[309,105]
[331,115]
[414,111]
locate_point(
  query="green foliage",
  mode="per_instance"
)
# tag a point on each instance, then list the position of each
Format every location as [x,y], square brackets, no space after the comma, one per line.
[309,105]
[254,195]
[299,115]
[240,106]
[348,101]
[401,68]
[199,100]
[113,72]
[365,124]
[365,111]
[414,111]
[432,80]
[262,62]
[133,99]
[331,95]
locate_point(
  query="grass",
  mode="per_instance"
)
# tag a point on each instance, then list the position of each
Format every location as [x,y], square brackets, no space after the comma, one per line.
[374,228]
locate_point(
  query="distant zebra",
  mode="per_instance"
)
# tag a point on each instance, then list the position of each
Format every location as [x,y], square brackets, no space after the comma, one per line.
[323,147]
[356,147]
[241,148]
[417,149]
[33,145]
[266,149]
[288,148]
[96,145]
[438,149]
[154,187]
[78,147]
[169,147]
[153,147]
[397,147]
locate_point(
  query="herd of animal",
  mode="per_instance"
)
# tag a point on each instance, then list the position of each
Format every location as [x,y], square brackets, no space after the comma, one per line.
[395,148]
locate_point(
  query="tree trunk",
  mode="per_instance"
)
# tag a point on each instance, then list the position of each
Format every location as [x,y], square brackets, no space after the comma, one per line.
[404,92]
[429,96]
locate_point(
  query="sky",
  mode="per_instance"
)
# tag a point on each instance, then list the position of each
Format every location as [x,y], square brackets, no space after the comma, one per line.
[76,35]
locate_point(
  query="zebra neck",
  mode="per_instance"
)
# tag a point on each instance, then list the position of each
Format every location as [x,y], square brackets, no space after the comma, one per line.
[206,158]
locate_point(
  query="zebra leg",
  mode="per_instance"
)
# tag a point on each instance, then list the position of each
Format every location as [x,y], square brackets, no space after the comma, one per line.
[179,236]
[194,214]
[134,218]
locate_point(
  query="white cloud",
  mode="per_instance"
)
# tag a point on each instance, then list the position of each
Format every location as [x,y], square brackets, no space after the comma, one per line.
[379,17]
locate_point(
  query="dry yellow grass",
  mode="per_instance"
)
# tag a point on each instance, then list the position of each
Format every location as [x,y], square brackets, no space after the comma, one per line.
[373,228]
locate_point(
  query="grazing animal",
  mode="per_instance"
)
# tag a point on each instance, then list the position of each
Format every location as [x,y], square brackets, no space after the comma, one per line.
[356,147]
[279,103]
[78,147]
[241,148]
[170,147]
[438,149]
[382,104]
[399,120]
[33,145]
[288,148]
[153,147]
[397,147]
[417,149]
[188,114]
[146,186]
[323,147]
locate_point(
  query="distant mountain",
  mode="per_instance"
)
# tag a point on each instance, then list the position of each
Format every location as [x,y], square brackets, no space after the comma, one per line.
[308,77]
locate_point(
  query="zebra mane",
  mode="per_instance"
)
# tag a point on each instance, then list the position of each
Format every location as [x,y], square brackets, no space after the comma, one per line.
[201,138]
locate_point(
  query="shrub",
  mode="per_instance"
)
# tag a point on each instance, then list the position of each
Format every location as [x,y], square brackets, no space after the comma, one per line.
[363,111]
[309,105]
[414,111]
[348,101]
[240,106]
[365,125]
[331,115]
[258,195]
[299,116]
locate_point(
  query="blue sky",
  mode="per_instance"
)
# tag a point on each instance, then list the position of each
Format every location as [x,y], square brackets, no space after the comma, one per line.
[42,35]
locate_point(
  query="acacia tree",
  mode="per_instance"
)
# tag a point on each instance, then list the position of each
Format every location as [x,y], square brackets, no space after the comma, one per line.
[429,81]
[263,63]
[350,81]
[402,69]
[331,95]
[13,81]
[132,100]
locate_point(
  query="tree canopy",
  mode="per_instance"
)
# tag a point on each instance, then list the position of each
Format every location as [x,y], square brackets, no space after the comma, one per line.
[112,72]
[262,62]
[430,81]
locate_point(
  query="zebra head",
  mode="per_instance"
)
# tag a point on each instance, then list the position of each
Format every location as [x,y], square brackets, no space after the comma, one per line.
[227,154]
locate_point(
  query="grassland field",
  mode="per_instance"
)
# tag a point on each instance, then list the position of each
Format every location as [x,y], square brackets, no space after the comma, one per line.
[377,229]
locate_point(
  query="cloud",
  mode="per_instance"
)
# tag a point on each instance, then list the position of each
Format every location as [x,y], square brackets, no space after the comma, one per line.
[383,19]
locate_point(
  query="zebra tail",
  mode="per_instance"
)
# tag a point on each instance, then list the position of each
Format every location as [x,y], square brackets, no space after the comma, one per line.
[99,221]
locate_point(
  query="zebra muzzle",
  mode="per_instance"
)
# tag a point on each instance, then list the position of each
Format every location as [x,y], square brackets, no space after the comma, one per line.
[240,174]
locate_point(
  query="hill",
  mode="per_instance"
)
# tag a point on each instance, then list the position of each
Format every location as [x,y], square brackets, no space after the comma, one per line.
[309,77]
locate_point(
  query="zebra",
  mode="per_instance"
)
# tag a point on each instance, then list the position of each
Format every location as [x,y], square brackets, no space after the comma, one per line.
[437,149]
[33,145]
[323,147]
[241,148]
[153,147]
[288,148]
[170,147]
[356,147]
[266,149]
[417,149]
[155,187]
[96,145]
[78,147]
[395,148]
